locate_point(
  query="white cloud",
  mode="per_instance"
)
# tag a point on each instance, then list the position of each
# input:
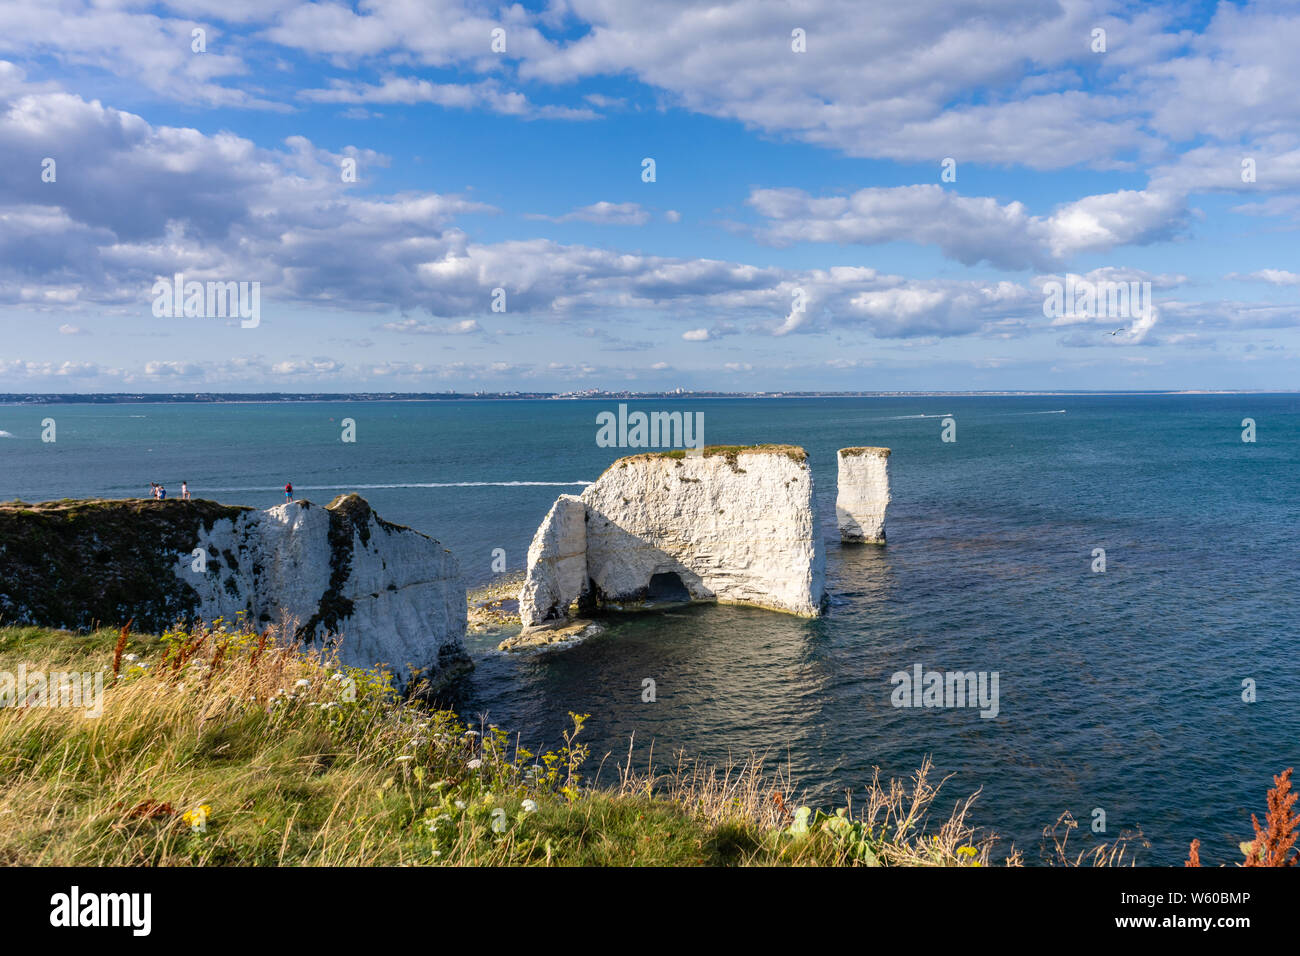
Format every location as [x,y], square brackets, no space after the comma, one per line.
[1271,276]
[318,366]
[486,95]
[604,214]
[463,327]
[970,229]
[1004,81]
[153,51]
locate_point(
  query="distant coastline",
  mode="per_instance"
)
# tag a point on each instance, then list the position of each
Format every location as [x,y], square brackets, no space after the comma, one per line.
[264,398]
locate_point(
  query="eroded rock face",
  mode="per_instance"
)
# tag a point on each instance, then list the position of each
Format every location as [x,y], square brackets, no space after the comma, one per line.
[392,593]
[389,594]
[557,562]
[735,525]
[862,494]
[82,563]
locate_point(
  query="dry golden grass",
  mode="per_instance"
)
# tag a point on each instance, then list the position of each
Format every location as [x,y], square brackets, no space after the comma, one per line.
[218,745]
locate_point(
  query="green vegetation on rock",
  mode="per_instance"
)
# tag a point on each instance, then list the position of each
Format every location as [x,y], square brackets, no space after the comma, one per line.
[81,563]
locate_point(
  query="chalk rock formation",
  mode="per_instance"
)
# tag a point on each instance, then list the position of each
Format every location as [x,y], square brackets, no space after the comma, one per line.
[862,495]
[391,595]
[733,525]
[557,562]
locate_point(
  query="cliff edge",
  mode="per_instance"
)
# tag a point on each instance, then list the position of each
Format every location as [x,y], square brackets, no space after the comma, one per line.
[389,595]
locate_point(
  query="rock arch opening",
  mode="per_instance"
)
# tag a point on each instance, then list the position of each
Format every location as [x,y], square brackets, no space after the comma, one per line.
[666,587]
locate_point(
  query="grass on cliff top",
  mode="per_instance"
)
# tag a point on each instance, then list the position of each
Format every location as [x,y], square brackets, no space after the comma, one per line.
[730,452]
[71,508]
[222,747]
[793,452]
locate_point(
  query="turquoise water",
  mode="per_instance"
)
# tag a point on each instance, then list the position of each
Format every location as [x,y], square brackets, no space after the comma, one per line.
[1119,691]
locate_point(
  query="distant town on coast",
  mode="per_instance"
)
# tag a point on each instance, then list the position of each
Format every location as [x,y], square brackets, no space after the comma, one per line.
[152,398]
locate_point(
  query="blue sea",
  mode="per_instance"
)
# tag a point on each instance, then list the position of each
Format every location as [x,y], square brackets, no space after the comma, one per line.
[1120,691]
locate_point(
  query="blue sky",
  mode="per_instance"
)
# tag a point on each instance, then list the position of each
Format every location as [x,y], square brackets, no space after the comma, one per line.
[799,233]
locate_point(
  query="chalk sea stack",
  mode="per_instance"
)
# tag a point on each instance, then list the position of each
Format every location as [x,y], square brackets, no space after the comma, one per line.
[730,524]
[862,494]
[389,594]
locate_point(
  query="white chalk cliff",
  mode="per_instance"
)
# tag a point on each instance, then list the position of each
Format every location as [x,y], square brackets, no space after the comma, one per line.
[862,494]
[389,594]
[735,526]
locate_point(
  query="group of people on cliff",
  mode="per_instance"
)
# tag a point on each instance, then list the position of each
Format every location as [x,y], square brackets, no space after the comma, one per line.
[159,493]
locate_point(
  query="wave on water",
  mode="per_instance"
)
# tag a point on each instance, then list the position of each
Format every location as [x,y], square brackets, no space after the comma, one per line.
[887,418]
[903,418]
[5,434]
[417,484]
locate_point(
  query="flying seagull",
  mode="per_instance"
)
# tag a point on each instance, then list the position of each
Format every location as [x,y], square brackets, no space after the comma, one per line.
[1117,331]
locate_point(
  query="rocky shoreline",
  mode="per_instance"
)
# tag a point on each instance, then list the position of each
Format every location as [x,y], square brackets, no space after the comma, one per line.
[494,605]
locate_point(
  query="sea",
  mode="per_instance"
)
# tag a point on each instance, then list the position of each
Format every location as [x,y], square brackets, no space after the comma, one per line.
[1157,696]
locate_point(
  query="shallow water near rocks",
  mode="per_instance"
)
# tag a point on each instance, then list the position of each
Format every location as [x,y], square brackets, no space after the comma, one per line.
[1120,691]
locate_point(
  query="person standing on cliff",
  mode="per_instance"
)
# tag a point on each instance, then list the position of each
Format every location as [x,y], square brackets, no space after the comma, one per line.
[185,491]
[288,491]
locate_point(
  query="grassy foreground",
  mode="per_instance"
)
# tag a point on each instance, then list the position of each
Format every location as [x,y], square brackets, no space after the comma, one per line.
[222,747]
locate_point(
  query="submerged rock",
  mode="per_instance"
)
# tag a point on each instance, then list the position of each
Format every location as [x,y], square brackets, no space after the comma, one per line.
[734,525]
[862,494]
[552,632]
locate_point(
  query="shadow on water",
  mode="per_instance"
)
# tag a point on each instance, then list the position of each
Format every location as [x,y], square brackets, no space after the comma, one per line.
[726,680]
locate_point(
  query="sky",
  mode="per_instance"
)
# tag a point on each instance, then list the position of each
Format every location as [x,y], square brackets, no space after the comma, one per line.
[836,195]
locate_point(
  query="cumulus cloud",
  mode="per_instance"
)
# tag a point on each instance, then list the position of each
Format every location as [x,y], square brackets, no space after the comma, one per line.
[1237,78]
[315,367]
[486,95]
[604,214]
[900,309]
[876,81]
[1271,276]
[154,51]
[463,327]
[1003,81]
[149,200]
[219,207]
[970,229]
